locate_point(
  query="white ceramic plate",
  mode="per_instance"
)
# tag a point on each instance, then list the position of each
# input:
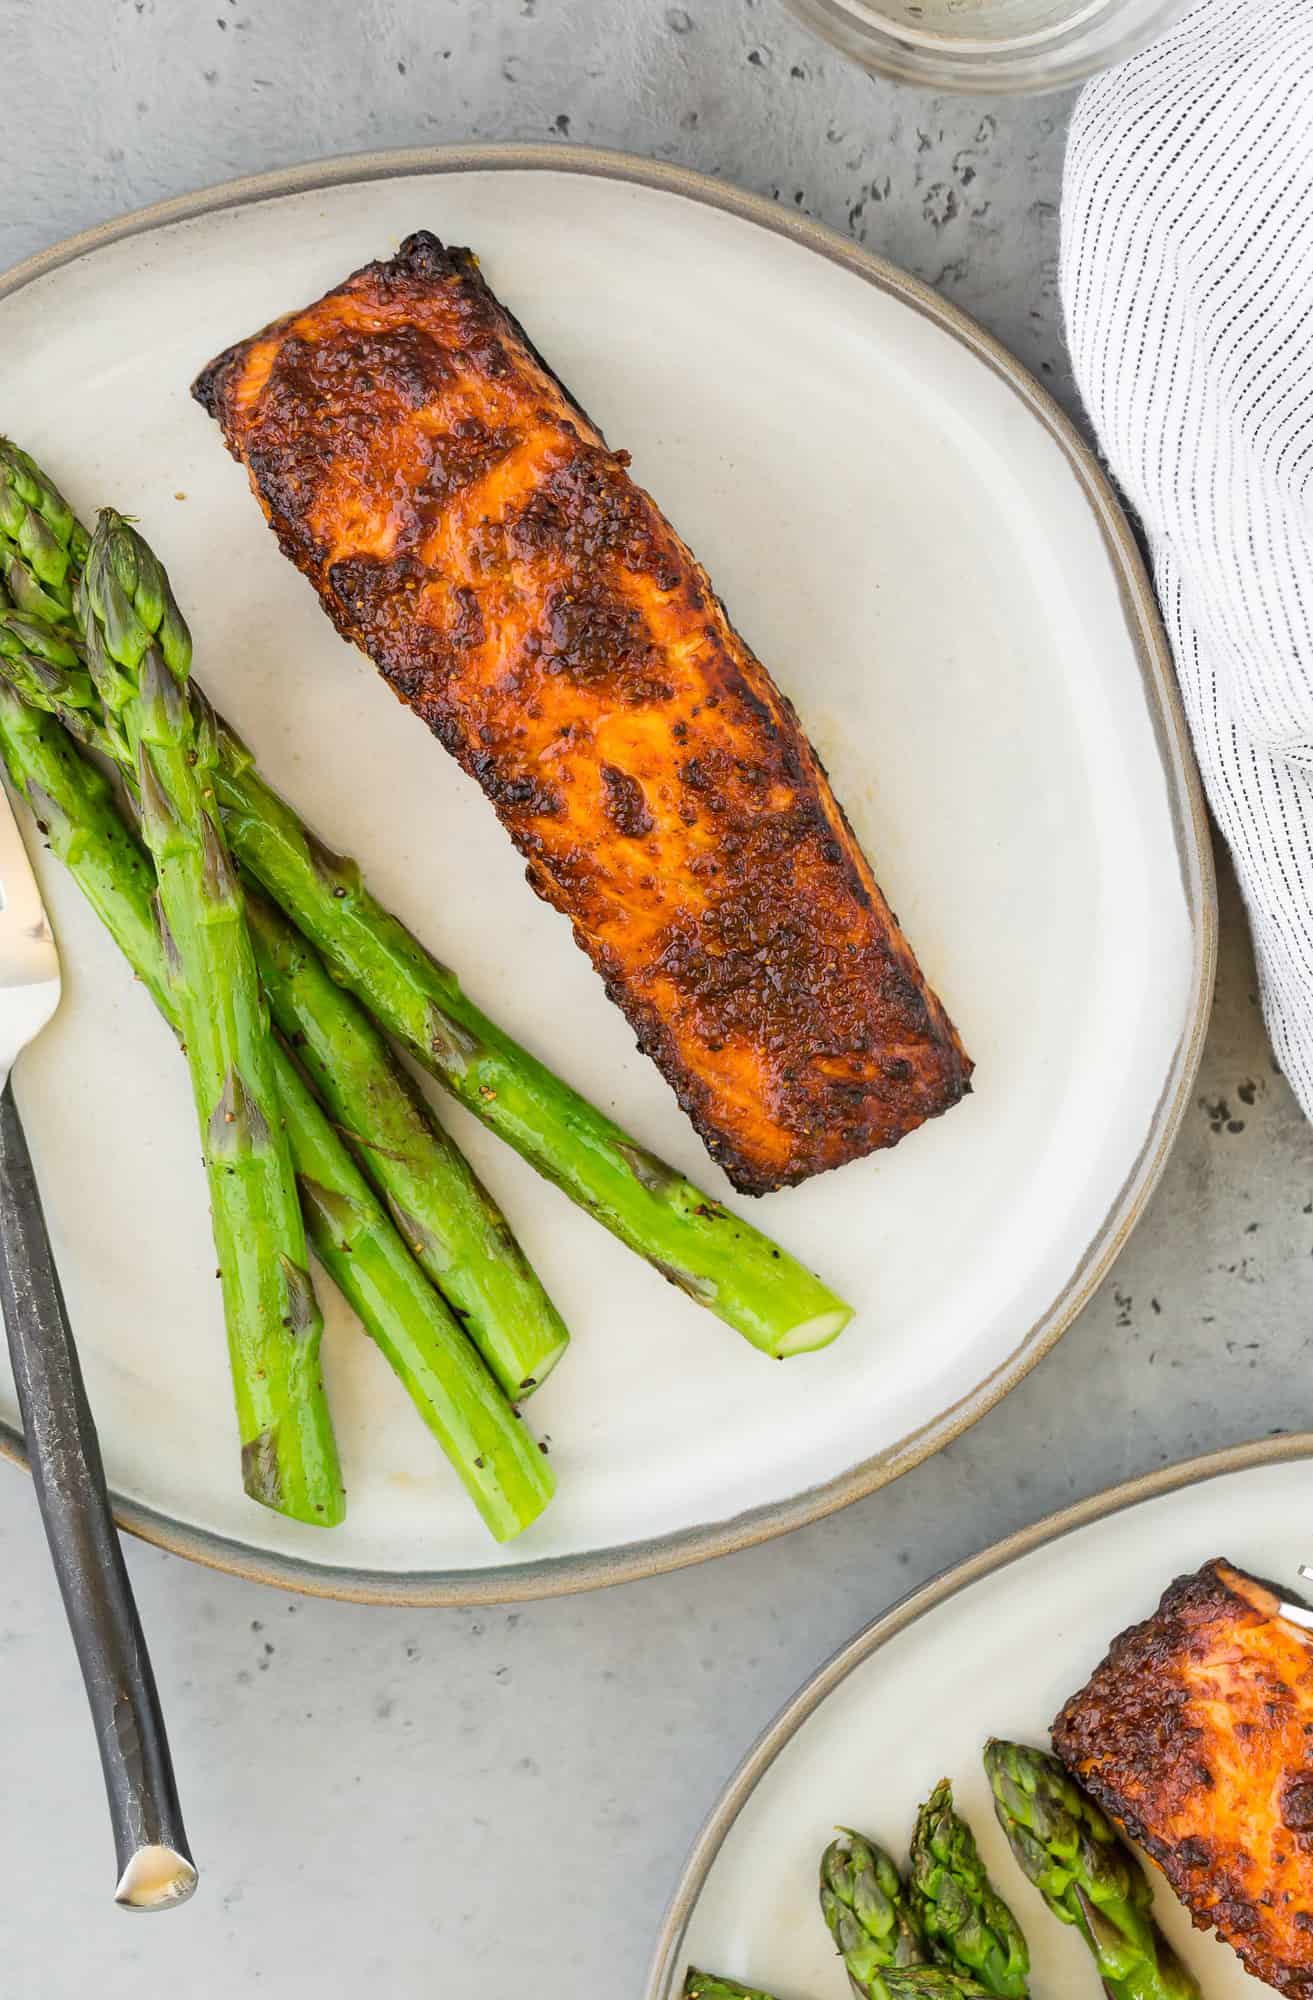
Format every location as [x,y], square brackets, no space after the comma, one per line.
[911,536]
[993,1648]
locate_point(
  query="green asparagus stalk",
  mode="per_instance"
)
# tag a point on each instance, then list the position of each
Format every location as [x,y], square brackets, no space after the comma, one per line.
[455,1230]
[505,1474]
[929,1982]
[865,1903]
[139,652]
[1068,1847]
[915,1982]
[709,1986]
[693,1240]
[967,1924]
[39,533]
[41,655]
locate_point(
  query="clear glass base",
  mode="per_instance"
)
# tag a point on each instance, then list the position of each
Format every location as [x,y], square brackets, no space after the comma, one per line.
[988,45]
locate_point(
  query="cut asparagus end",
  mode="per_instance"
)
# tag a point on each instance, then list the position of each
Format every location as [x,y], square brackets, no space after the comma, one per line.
[156,1878]
[531,1383]
[819,1331]
[521,1515]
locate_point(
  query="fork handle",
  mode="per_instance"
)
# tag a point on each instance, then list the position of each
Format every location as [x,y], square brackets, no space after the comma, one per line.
[155,1868]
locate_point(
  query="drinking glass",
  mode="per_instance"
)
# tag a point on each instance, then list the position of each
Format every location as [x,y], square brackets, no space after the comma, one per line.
[988,45]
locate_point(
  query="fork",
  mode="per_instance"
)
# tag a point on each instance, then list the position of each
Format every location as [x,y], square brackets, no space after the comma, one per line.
[154,1863]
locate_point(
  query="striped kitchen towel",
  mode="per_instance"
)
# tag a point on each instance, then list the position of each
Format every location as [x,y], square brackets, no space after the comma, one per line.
[1187,280]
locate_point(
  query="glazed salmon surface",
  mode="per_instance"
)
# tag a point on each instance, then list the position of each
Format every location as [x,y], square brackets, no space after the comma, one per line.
[468,527]
[1196,1733]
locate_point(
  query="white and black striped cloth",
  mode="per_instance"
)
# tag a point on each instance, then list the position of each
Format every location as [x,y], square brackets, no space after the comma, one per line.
[1187,279]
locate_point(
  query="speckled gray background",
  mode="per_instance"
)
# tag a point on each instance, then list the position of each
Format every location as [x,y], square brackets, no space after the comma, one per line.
[498,1802]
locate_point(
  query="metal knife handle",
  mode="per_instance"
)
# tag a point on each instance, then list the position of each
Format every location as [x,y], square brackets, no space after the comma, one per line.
[155,1868]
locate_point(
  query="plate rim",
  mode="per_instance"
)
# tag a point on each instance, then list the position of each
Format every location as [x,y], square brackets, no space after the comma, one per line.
[595,1569]
[898,1617]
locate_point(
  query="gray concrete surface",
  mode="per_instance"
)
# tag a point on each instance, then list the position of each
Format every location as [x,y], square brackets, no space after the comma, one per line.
[496,1802]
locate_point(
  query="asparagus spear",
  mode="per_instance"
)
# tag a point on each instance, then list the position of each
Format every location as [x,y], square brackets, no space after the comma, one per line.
[503,1471]
[913,1982]
[917,1982]
[865,1903]
[929,1982]
[709,1986]
[139,652]
[967,1923]
[38,532]
[1068,1847]
[455,1230]
[714,1256]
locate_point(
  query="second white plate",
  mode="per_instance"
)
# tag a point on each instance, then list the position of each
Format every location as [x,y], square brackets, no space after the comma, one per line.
[912,538]
[993,1649]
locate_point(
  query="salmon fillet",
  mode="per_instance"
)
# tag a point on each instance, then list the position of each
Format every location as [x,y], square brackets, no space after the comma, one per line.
[468,527]
[1196,1734]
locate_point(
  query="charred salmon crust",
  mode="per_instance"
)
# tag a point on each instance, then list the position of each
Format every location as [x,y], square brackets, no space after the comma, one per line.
[1196,1734]
[467,525]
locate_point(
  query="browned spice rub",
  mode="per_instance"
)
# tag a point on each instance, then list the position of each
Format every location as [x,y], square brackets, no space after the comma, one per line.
[465,523]
[1196,1733]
